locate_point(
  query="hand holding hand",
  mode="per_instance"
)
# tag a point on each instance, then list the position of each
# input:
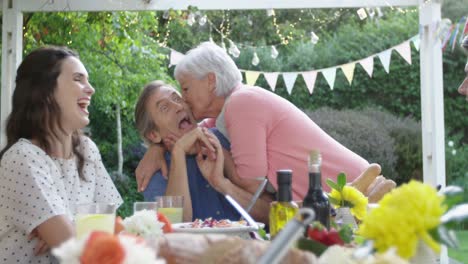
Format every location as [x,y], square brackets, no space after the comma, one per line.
[194,142]
[212,169]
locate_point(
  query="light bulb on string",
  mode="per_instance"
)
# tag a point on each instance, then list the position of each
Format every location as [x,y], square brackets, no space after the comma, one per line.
[233,50]
[274,52]
[371,12]
[223,46]
[202,20]
[255,59]
[362,13]
[166,14]
[379,12]
[191,19]
[270,12]
[314,38]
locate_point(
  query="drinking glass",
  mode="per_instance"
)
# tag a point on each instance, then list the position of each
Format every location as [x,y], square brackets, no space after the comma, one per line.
[94,217]
[140,206]
[171,207]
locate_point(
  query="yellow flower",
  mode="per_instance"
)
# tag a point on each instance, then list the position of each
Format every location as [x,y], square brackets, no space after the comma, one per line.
[403,218]
[358,201]
[352,197]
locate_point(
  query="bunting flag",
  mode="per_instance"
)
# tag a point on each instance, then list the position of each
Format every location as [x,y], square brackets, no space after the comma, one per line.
[384,57]
[289,79]
[404,50]
[348,70]
[416,42]
[175,57]
[309,79]
[330,75]
[271,78]
[368,65]
[251,77]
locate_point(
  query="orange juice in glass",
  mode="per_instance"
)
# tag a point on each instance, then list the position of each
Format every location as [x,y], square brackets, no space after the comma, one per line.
[171,207]
[94,217]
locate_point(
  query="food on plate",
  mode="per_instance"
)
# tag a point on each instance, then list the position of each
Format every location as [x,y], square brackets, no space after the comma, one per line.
[213,223]
[188,248]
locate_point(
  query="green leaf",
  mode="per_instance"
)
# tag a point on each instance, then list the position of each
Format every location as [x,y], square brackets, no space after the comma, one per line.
[446,236]
[334,201]
[458,214]
[453,196]
[311,245]
[346,233]
[341,180]
[262,234]
[333,185]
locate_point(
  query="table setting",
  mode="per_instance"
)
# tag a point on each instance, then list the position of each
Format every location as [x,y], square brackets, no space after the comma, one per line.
[408,225]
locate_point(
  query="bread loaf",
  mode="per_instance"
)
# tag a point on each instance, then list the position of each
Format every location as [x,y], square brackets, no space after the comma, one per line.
[367,177]
[380,190]
[180,248]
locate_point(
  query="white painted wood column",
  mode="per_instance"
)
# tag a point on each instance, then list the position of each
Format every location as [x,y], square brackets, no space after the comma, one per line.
[432,97]
[12,48]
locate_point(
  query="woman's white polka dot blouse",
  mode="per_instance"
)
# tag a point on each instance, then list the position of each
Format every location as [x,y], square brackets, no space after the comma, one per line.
[35,187]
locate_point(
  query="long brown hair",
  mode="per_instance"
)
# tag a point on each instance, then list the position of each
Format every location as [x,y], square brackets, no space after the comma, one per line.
[35,112]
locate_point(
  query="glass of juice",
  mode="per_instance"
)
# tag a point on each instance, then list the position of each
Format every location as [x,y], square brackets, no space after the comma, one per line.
[149,206]
[171,207]
[94,217]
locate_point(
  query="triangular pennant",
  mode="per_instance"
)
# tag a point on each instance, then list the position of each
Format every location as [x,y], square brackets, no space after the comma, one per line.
[330,75]
[348,70]
[404,50]
[309,79]
[416,41]
[384,57]
[368,65]
[289,79]
[251,77]
[271,78]
[176,57]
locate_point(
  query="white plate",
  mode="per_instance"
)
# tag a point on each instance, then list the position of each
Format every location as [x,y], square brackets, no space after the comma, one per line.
[185,228]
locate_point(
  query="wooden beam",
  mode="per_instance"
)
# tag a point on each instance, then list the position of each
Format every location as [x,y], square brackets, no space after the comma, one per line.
[141,5]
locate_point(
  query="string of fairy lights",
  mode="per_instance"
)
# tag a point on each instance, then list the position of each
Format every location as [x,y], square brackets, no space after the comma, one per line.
[234,48]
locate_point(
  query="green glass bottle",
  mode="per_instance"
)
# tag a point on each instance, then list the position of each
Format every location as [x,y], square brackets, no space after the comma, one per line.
[283,209]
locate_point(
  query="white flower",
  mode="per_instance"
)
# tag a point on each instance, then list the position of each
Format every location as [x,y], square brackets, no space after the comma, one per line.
[143,223]
[450,143]
[70,251]
[136,251]
[454,152]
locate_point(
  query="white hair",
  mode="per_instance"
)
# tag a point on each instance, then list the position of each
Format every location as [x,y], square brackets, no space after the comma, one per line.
[209,57]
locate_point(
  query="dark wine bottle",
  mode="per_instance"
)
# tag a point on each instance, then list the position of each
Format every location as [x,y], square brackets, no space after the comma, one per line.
[316,198]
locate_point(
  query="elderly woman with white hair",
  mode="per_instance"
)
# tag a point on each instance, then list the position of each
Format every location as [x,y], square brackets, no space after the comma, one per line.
[267,133]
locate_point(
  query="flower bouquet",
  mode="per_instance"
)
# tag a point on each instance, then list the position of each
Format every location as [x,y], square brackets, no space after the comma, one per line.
[104,248]
[415,216]
[345,197]
[147,224]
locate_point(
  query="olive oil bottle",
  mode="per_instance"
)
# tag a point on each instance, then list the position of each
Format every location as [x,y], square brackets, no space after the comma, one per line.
[283,209]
